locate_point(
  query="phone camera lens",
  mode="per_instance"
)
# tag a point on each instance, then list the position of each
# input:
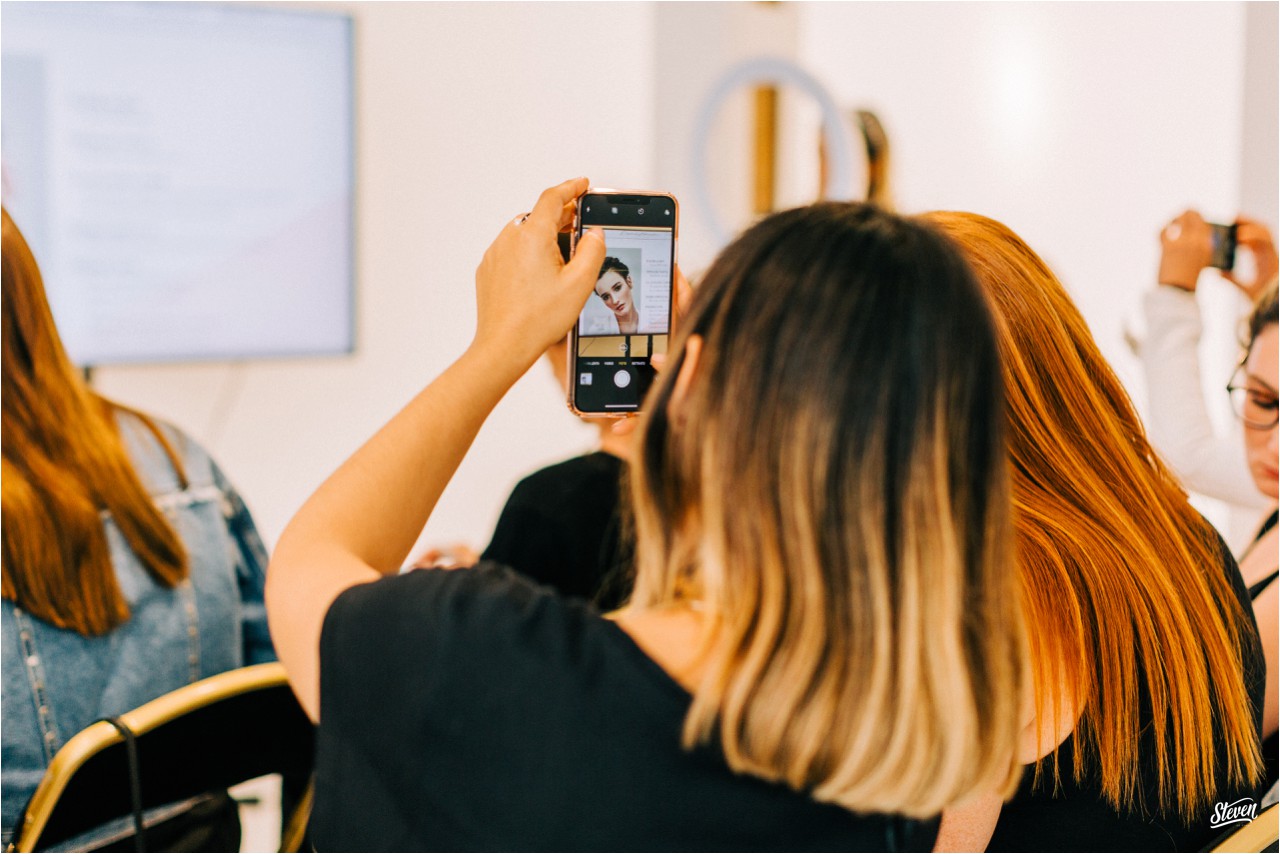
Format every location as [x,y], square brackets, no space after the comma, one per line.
[615,210]
[668,213]
[641,212]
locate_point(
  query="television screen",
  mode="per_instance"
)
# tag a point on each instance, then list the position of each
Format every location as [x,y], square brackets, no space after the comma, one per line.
[184,175]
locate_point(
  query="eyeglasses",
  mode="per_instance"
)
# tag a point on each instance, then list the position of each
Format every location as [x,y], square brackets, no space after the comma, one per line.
[1254,405]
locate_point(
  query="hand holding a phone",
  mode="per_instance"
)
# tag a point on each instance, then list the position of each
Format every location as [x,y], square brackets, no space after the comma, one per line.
[366,516]
[1255,237]
[526,295]
[1186,248]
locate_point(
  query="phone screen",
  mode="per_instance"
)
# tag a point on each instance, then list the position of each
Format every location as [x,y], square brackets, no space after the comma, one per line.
[628,317]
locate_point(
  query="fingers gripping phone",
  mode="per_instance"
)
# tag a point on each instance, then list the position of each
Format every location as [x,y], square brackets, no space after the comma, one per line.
[628,317]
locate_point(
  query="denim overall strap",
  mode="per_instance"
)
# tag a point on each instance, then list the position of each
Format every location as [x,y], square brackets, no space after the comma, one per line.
[49,739]
[186,592]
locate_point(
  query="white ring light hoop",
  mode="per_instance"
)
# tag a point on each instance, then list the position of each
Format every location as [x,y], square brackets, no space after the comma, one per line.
[775,71]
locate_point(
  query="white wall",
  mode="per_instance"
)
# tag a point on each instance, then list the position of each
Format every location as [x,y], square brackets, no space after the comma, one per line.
[1084,127]
[696,43]
[1260,171]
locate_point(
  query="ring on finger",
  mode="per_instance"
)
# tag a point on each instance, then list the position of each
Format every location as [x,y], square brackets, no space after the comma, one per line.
[520,219]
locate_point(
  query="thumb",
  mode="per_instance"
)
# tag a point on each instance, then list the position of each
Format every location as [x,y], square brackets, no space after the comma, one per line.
[584,268]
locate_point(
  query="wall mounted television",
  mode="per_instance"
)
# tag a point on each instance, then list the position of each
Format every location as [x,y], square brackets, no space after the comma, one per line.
[184,173]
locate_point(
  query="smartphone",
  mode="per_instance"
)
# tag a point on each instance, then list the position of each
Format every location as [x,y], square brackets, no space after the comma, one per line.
[1224,246]
[628,317]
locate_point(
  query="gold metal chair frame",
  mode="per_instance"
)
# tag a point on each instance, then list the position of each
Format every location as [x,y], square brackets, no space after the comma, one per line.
[95,738]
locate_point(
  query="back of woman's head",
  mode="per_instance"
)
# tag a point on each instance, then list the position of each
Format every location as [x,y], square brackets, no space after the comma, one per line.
[1117,568]
[64,464]
[831,487]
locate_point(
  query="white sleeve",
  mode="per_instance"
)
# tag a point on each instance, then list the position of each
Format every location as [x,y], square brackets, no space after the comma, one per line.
[1179,426]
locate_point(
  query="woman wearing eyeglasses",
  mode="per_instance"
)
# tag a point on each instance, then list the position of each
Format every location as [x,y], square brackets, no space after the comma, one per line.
[1209,464]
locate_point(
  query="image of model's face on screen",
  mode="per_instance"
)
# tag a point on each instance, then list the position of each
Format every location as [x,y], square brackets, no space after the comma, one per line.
[633,288]
[615,289]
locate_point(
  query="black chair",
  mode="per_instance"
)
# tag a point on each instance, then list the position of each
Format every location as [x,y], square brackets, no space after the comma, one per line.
[181,751]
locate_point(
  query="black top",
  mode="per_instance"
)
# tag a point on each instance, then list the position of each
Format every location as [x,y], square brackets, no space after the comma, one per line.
[1271,744]
[1267,525]
[473,710]
[1077,818]
[562,526]
[1255,590]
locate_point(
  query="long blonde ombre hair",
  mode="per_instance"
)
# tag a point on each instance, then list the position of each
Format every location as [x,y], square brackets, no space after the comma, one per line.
[1121,577]
[64,465]
[831,490]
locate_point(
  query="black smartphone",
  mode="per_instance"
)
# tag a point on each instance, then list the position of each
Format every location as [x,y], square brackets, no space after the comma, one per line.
[628,317]
[1224,246]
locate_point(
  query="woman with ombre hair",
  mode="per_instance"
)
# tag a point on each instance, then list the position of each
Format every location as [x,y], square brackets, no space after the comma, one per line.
[825,641]
[1146,664]
[130,565]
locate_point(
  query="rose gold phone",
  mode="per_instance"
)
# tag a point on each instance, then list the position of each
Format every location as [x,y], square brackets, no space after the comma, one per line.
[628,318]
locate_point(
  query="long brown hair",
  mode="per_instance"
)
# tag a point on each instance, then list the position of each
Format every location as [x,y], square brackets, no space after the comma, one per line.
[64,466]
[832,491]
[1121,577]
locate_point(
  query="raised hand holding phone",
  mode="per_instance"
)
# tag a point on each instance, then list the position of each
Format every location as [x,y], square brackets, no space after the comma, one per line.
[1189,244]
[364,519]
